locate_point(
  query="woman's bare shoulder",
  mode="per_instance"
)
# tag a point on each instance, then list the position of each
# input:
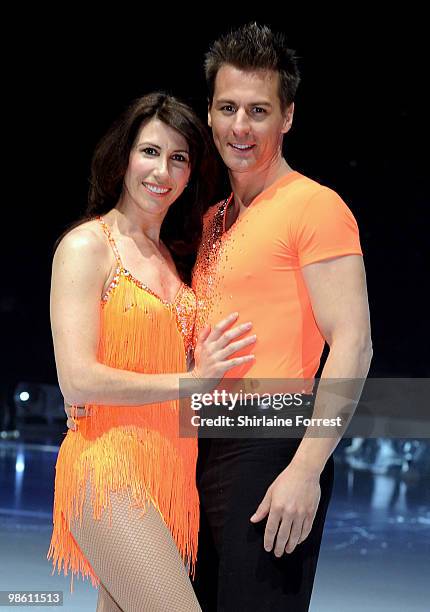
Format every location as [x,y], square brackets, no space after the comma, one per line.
[85,240]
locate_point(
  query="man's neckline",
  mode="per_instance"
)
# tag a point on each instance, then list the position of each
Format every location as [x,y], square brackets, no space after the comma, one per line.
[283,180]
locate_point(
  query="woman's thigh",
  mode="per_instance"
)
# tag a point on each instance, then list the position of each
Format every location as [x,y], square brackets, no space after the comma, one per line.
[135,557]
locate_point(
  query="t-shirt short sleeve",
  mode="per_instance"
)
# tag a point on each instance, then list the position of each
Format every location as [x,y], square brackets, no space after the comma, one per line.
[326,228]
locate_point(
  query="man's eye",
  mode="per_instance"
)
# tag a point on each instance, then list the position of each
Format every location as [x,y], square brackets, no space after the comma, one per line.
[259,110]
[228,107]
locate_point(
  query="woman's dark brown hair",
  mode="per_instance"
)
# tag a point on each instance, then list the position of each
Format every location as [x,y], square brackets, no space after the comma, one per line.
[182,226]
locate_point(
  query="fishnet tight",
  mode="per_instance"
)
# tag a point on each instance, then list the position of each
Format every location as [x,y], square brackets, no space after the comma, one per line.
[135,558]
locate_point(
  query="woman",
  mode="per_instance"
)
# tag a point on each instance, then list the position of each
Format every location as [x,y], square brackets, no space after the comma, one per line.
[126,505]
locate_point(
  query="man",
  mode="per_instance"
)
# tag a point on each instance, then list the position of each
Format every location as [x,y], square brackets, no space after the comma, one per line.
[284,252]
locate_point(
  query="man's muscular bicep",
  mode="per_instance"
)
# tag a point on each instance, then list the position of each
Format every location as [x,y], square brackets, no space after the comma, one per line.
[338,295]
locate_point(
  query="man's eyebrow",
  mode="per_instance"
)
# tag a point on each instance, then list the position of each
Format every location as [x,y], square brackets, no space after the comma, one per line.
[222,101]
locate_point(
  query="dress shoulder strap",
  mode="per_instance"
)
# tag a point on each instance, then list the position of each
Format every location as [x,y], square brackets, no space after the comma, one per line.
[111,240]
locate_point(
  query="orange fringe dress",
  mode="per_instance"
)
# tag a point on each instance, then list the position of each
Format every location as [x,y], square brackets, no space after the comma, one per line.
[131,447]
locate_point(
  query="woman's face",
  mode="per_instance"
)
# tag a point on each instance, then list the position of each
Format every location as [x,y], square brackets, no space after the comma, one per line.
[158,167]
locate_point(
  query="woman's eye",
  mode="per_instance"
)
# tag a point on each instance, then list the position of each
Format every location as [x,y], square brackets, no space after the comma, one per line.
[179,157]
[149,151]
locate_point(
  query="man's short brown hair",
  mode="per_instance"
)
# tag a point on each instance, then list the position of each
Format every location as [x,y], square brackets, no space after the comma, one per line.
[255,47]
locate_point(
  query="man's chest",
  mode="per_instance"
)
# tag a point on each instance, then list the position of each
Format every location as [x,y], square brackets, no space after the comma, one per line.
[253,252]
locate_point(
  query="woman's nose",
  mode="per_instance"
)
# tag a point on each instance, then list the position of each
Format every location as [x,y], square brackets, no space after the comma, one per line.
[161,169]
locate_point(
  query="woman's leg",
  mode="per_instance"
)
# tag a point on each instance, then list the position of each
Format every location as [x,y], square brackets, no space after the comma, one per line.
[135,558]
[105,603]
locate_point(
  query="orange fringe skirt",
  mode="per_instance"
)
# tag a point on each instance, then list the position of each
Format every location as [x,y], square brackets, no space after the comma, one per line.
[152,467]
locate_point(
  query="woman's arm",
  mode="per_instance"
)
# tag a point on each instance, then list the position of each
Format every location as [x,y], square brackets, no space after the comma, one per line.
[81,267]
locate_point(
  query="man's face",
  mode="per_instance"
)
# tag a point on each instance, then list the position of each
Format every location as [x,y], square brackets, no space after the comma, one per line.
[246,118]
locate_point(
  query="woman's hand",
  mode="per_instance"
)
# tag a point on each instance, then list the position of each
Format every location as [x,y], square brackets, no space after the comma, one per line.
[73,412]
[215,347]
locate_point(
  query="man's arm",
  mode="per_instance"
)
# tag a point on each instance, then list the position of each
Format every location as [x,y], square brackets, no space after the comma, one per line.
[338,294]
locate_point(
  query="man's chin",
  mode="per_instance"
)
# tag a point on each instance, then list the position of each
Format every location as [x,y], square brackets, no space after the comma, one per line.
[239,165]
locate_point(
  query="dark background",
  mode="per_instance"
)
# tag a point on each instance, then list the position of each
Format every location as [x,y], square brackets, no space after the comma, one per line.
[359,127]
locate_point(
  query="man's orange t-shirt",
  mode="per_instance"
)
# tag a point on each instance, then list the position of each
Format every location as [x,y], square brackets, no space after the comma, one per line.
[255,268]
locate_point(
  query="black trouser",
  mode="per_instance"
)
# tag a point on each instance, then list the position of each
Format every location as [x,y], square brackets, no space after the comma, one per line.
[234,572]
